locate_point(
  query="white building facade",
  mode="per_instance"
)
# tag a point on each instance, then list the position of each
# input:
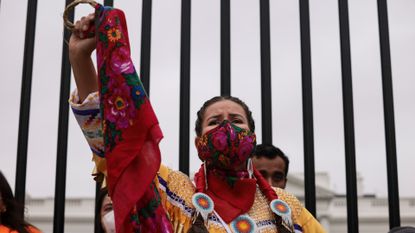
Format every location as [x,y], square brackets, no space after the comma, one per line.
[331,210]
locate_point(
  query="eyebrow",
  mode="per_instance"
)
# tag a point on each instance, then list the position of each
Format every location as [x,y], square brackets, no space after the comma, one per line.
[233,115]
[108,205]
[236,115]
[212,117]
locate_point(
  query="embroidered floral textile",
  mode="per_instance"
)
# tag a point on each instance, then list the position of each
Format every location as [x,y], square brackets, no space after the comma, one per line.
[225,150]
[130,129]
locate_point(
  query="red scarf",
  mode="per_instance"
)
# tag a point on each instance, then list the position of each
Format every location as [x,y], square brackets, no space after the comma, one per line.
[230,202]
[131,130]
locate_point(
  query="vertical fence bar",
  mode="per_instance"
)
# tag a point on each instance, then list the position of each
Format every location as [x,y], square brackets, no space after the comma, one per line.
[348,117]
[21,163]
[185,87]
[308,134]
[108,2]
[97,219]
[391,161]
[225,47]
[266,96]
[146,45]
[61,159]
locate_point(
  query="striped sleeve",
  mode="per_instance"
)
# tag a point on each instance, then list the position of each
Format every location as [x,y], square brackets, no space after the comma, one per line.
[88,116]
[89,119]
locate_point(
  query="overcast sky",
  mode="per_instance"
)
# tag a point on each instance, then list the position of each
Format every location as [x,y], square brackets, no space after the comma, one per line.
[205,78]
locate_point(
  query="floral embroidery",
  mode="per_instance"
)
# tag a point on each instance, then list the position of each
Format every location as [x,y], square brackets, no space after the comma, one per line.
[114,35]
[121,62]
[225,150]
[128,122]
[224,145]
[123,93]
[119,108]
[135,220]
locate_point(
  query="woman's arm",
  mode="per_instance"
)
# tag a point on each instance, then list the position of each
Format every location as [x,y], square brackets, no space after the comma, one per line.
[85,100]
[80,50]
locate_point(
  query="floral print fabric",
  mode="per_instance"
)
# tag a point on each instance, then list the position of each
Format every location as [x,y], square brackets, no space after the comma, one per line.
[226,149]
[130,130]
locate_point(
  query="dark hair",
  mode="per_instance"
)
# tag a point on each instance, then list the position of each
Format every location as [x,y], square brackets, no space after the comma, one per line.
[98,205]
[202,110]
[271,152]
[11,217]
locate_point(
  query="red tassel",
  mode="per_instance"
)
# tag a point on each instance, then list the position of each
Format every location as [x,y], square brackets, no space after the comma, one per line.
[200,180]
[264,186]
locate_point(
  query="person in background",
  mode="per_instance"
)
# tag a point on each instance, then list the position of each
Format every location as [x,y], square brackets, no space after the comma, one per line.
[105,212]
[272,163]
[10,219]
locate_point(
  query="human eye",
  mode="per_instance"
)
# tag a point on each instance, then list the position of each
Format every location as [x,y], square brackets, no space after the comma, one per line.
[278,176]
[108,207]
[213,122]
[264,174]
[237,121]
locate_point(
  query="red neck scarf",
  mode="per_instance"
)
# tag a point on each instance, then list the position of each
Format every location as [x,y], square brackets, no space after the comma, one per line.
[230,201]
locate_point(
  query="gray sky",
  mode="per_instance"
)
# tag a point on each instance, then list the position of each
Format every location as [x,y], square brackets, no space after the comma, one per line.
[205,74]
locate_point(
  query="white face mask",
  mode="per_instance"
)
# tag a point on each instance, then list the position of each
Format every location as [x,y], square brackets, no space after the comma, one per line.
[108,222]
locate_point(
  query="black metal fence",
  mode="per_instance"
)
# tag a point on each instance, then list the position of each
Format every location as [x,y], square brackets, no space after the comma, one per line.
[309,170]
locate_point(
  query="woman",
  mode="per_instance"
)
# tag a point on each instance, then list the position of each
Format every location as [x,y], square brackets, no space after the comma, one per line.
[104,210]
[10,218]
[229,195]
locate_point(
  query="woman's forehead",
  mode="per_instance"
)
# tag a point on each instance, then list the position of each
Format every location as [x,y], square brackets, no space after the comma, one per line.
[107,200]
[224,107]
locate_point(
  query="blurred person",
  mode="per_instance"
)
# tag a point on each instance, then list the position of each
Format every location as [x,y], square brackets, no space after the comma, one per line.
[272,163]
[105,212]
[10,219]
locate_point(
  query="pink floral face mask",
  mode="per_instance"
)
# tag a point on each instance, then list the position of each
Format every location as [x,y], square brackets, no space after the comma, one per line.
[226,148]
